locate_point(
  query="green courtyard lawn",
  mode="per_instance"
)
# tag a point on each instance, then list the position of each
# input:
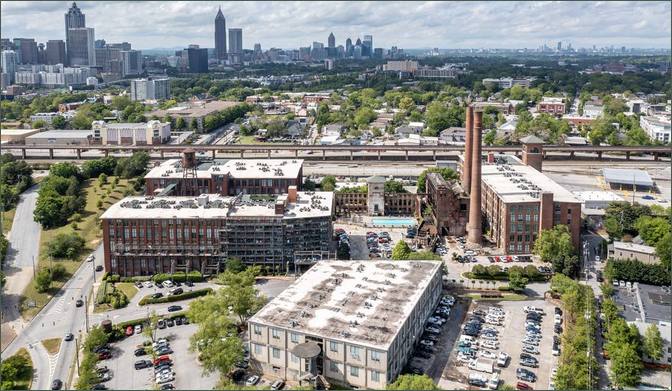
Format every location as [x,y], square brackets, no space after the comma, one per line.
[88,228]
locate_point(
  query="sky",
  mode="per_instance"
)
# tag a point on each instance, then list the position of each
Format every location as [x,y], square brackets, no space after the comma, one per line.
[445,25]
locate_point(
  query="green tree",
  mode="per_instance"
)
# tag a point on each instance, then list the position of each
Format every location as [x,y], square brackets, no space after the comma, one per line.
[65,170]
[447,173]
[216,341]
[652,229]
[653,342]
[65,245]
[235,265]
[179,123]
[406,104]
[664,250]
[39,124]
[393,186]
[364,116]
[413,382]
[516,280]
[59,122]
[193,125]
[43,280]
[401,251]
[626,366]
[554,243]
[489,138]
[328,183]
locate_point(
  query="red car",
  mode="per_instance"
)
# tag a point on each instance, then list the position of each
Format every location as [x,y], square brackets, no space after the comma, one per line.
[509,259]
[523,386]
[129,331]
[161,359]
[104,355]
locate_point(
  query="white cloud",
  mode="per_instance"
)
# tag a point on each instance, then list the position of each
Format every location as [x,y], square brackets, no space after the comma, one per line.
[404,24]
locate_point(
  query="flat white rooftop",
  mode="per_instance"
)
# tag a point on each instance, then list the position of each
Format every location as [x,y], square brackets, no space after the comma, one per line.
[213,206]
[361,302]
[236,168]
[637,248]
[607,196]
[522,183]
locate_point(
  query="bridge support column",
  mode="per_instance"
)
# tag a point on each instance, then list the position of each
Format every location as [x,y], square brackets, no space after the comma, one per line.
[23,153]
[162,154]
[324,154]
[434,154]
[268,154]
[51,153]
[599,154]
[627,155]
[352,155]
[655,156]
[296,153]
[543,155]
[571,154]
[242,153]
[79,154]
[379,154]
[406,154]
[106,152]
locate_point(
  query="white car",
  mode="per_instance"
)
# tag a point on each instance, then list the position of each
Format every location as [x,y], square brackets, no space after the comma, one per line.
[164,378]
[531,341]
[489,337]
[502,359]
[147,284]
[167,284]
[436,320]
[597,258]
[252,380]
[528,308]
[90,258]
[490,345]
[433,330]
[487,354]
[138,329]
[426,343]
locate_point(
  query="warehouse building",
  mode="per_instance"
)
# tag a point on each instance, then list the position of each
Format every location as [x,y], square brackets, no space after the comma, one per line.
[61,137]
[190,177]
[627,178]
[151,133]
[193,110]
[16,136]
[148,235]
[519,201]
[351,323]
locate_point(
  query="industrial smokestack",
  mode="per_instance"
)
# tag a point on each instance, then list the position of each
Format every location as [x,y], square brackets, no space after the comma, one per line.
[466,166]
[475,229]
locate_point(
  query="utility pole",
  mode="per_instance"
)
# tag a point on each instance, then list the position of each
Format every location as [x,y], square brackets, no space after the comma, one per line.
[86,313]
[33,266]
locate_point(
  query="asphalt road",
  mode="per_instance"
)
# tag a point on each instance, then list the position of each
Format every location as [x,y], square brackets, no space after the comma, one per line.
[24,237]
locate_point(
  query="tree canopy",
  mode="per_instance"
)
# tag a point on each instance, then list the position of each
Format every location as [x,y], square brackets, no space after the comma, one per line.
[413,382]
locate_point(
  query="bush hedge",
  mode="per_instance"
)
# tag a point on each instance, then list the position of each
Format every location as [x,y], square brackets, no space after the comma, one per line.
[193,276]
[172,298]
[636,271]
[145,321]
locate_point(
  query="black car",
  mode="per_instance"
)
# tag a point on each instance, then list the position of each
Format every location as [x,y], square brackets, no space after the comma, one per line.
[185,320]
[99,268]
[558,311]
[140,352]
[157,295]
[99,386]
[529,363]
[69,337]
[189,283]
[167,386]
[174,308]
[178,321]
[177,291]
[78,303]
[161,324]
[557,328]
[431,337]
[56,384]
[238,374]
[163,351]
[170,323]
[524,374]
[142,364]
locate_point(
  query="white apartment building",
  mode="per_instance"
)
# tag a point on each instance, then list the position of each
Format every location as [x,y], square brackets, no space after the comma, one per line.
[508,82]
[150,89]
[408,66]
[657,127]
[151,133]
[353,322]
[48,117]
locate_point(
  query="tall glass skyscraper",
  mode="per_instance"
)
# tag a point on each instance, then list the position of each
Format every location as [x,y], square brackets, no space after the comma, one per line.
[74,18]
[220,36]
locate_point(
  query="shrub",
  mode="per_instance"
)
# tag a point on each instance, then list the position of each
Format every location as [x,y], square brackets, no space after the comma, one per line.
[172,298]
[65,245]
[636,271]
[194,276]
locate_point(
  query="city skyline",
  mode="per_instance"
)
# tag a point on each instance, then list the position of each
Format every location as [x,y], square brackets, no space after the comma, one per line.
[152,25]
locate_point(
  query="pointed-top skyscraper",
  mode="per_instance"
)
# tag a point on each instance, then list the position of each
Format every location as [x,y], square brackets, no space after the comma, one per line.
[220,35]
[331,45]
[74,19]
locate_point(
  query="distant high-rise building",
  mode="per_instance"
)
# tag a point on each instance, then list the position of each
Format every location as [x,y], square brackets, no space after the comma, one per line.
[6,44]
[348,47]
[106,56]
[8,63]
[357,51]
[235,45]
[559,46]
[26,50]
[74,18]
[80,46]
[220,36]
[121,46]
[100,43]
[55,52]
[41,54]
[197,59]
[367,46]
[132,60]
[257,48]
[378,53]
[358,42]
[331,45]
[150,89]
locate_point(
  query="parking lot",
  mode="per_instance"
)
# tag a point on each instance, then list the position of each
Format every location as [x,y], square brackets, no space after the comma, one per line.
[188,372]
[361,242]
[503,332]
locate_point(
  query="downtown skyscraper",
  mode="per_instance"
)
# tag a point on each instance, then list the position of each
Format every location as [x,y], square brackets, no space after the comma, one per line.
[220,36]
[74,19]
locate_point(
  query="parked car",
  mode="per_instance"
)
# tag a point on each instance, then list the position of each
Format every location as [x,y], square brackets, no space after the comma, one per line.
[147,284]
[104,355]
[79,303]
[56,384]
[142,364]
[157,295]
[530,349]
[252,380]
[523,386]
[426,342]
[139,352]
[524,374]
[174,308]
[69,337]
[278,385]
[138,329]
[167,284]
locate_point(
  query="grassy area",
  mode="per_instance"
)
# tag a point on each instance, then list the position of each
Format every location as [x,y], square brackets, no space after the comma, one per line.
[128,288]
[249,140]
[52,345]
[25,382]
[7,218]
[88,228]
[505,297]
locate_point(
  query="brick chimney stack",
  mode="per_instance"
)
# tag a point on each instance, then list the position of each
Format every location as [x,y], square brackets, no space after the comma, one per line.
[466,166]
[474,227]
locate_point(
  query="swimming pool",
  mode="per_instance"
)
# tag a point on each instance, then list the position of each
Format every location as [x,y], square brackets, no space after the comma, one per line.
[393,221]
